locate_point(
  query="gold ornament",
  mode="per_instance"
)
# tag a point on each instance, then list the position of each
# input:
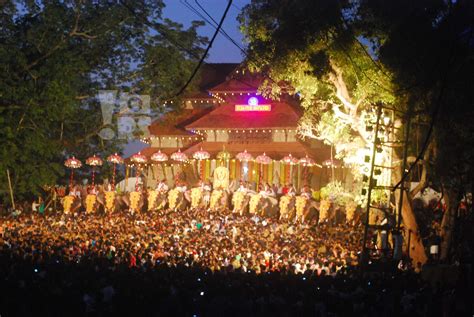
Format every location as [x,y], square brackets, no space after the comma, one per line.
[284,203]
[90,202]
[221,177]
[152,195]
[134,199]
[324,209]
[196,196]
[300,205]
[238,200]
[67,203]
[173,198]
[109,200]
[351,207]
[254,203]
[215,197]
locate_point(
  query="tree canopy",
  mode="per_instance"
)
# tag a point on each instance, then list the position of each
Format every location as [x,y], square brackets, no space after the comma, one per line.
[342,58]
[57,55]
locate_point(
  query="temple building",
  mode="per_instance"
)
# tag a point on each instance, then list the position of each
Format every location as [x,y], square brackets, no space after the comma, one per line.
[229,121]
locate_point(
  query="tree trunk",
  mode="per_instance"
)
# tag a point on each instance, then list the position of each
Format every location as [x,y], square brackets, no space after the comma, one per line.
[417,249]
[447,224]
[410,226]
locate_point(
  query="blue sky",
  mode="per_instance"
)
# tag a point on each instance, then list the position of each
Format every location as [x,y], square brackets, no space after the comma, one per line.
[223,50]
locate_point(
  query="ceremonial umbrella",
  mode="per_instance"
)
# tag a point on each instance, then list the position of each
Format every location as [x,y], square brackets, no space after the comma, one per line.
[72,163]
[262,160]
[201,156]
[244,156]
[179,156]
[94,161]
[306,162]
[114,159]
[138,159]
[160,157]
[290,160]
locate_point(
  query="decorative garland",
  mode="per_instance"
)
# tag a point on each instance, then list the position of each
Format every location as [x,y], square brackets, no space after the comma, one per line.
[90,202]
[196,196]
[67,203]
[109,200]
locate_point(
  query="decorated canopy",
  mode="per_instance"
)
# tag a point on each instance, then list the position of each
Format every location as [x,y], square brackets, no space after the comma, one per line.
[94,161]
[115,159]
[179,156]
[263,159]
[159,157]
[307,161]
[289,159]
[244,156]
[72,163]
[201,155]
[138,158]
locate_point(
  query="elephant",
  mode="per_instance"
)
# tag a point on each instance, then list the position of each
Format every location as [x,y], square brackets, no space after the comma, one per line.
[265,206]
[219,200]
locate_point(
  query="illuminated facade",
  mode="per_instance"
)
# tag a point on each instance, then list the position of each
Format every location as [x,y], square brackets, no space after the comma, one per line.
[230,117]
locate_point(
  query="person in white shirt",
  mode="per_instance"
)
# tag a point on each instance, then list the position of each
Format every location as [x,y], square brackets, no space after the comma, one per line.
[161,187]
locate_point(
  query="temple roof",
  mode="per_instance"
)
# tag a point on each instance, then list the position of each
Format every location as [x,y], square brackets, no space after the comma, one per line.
[282,115]
[172,124]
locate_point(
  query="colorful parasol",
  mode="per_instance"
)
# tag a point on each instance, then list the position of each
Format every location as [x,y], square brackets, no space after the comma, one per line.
[94,161]
[307,161]
[114,159]
[159,157]
[72,163]
[263,159]
[289,159]
[244,156]
[179,156]
[331,163]
[201,156]
[138,159]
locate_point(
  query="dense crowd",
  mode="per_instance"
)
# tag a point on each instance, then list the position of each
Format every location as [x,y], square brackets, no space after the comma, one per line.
[200,262]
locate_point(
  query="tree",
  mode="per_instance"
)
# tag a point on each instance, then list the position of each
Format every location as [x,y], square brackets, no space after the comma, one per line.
[56,56]
[344,57]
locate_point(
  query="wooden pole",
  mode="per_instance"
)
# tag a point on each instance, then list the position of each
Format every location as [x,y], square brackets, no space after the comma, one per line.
[11,189]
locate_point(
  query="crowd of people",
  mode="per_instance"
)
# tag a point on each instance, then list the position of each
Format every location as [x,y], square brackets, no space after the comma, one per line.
[195,261]
[197,264]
